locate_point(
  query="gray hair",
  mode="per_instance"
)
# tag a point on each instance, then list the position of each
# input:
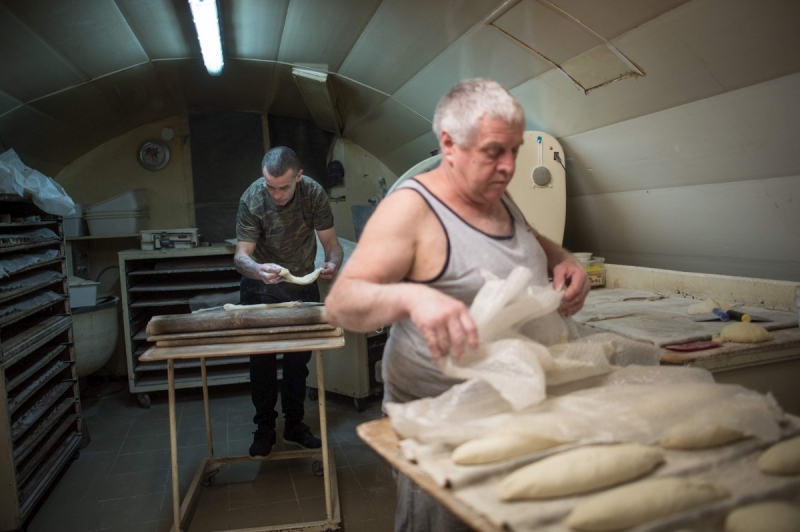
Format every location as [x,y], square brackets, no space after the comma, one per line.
[280,159]
[461,109]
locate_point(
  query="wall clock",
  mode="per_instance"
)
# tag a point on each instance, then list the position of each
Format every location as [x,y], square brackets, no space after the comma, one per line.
[154,155]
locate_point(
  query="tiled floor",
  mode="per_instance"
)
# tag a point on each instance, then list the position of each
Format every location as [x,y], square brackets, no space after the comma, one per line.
[122,481]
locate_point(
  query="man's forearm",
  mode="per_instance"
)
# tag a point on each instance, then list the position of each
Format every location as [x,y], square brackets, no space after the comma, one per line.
[361,306]
[336,256]
[555,253]
[247,267]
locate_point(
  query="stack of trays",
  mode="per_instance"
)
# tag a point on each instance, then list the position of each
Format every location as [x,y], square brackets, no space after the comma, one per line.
[125,214]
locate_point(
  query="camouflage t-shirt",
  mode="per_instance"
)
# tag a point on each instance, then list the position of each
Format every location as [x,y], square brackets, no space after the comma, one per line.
[284,235]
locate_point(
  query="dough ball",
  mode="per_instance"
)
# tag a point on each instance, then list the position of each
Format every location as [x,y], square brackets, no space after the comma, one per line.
[580,471]
[743,333]
[500,446]
[690,436]
[771,516]
[705,307]
[783,458]
[642,502]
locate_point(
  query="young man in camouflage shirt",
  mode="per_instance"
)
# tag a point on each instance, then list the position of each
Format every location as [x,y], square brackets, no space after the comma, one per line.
[278,216]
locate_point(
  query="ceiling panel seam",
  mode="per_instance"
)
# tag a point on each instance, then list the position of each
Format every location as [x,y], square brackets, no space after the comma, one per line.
[360,34]
[133,31]
[72,87]
[72,66]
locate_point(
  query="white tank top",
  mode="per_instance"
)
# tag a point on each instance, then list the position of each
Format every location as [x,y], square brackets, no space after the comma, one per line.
[409,371]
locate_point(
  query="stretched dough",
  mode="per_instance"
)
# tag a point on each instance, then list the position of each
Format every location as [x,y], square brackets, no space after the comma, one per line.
[744,333]
[306,279]
[771,516]
[642,502]
[690,436]
[500,446]
[580,470]
[782,458]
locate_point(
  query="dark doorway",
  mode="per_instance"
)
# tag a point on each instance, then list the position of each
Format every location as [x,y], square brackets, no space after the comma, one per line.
[227,148]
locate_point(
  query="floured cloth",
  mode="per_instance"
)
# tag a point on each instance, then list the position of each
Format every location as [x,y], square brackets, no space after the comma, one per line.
[661,320]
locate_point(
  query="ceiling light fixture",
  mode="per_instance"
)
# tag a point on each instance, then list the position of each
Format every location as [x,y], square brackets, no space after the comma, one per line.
[206,21]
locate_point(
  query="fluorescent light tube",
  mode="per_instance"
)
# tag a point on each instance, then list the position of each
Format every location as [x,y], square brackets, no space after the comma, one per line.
[206,21]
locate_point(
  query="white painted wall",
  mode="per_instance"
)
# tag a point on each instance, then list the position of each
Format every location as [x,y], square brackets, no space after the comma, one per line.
[711,186]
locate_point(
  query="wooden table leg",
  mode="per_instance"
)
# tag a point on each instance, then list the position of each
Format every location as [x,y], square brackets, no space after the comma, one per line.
[173,446]
[209,437]
[323,428]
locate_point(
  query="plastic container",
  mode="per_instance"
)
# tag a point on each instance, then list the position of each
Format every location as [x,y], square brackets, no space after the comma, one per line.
[73,223]
[597,263]
[596,270]
[82,293]
[127,201]
[583,257]
[116,225]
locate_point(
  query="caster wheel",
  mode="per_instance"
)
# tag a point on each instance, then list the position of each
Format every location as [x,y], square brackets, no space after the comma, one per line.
[75,456]
[316,468]
[144,400]
[208,480]
[360,404]
[313,394]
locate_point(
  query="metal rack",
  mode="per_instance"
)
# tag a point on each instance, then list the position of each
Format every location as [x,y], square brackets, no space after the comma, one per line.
[40,413]
[163,282]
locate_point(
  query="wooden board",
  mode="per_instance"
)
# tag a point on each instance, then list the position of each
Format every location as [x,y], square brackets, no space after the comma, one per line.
[234,350]
[235,319]
[380,436]
[251,338]
[241,332]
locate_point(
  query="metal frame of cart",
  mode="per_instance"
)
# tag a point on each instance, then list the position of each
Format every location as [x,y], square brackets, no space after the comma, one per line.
[211,465]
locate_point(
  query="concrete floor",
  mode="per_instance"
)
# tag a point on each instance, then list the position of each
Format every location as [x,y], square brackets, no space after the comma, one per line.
[121,482]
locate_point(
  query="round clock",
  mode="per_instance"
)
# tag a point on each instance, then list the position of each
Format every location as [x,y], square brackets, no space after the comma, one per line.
[154,155]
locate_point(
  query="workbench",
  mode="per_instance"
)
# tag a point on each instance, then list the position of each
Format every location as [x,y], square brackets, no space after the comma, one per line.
[772,366]
[211,465]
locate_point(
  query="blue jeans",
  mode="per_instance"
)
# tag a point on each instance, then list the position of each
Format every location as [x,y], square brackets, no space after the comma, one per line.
[264,368]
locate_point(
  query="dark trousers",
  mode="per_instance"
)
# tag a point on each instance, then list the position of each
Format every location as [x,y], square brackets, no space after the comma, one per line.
[264,368]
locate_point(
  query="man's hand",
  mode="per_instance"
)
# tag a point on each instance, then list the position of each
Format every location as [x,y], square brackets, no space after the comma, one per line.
[329,270]
[269,273]
[570,274]
[445,322]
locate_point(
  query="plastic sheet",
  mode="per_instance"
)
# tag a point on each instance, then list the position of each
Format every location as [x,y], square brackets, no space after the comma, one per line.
[15,263]
[17,178]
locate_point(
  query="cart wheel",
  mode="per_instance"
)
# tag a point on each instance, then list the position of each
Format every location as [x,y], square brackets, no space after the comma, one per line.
[144,400]
[208,480]
[316,468]
[360,404]
[75,456]
[313,394]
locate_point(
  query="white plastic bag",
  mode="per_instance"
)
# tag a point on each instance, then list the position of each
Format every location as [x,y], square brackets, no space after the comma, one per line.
[16,178]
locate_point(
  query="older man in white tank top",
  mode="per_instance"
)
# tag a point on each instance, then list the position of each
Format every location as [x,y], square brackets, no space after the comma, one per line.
[417,263]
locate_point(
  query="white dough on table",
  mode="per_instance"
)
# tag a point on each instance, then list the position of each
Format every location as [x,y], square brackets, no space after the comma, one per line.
[770,516]
[641,502]
[580,470]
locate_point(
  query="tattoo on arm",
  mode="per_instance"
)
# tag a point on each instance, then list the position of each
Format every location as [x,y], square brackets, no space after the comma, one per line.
[246,266]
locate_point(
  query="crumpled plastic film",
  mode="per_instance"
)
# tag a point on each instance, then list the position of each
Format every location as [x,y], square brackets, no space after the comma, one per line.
[465,411]
[633,407]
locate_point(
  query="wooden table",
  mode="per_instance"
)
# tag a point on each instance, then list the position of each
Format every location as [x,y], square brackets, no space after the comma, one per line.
[380,436]
[211,465]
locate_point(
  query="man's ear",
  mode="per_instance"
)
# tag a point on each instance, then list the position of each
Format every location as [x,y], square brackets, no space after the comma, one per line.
[299,175]
[447,144]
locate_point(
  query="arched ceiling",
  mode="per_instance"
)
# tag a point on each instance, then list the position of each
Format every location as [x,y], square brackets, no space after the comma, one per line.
[75,73]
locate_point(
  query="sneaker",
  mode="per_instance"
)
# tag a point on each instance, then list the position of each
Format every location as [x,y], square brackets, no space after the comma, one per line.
[300,436]
[262,443]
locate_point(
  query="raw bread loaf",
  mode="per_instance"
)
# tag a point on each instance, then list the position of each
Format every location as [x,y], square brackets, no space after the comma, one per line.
[580,470]
[690,436]
[641,502]
[771,516]
[782,458]
[500,446]
[306,279]
[743,333]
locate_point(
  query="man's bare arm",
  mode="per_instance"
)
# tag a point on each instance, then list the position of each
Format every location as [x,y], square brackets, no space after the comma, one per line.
[334,255]
[247,266]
